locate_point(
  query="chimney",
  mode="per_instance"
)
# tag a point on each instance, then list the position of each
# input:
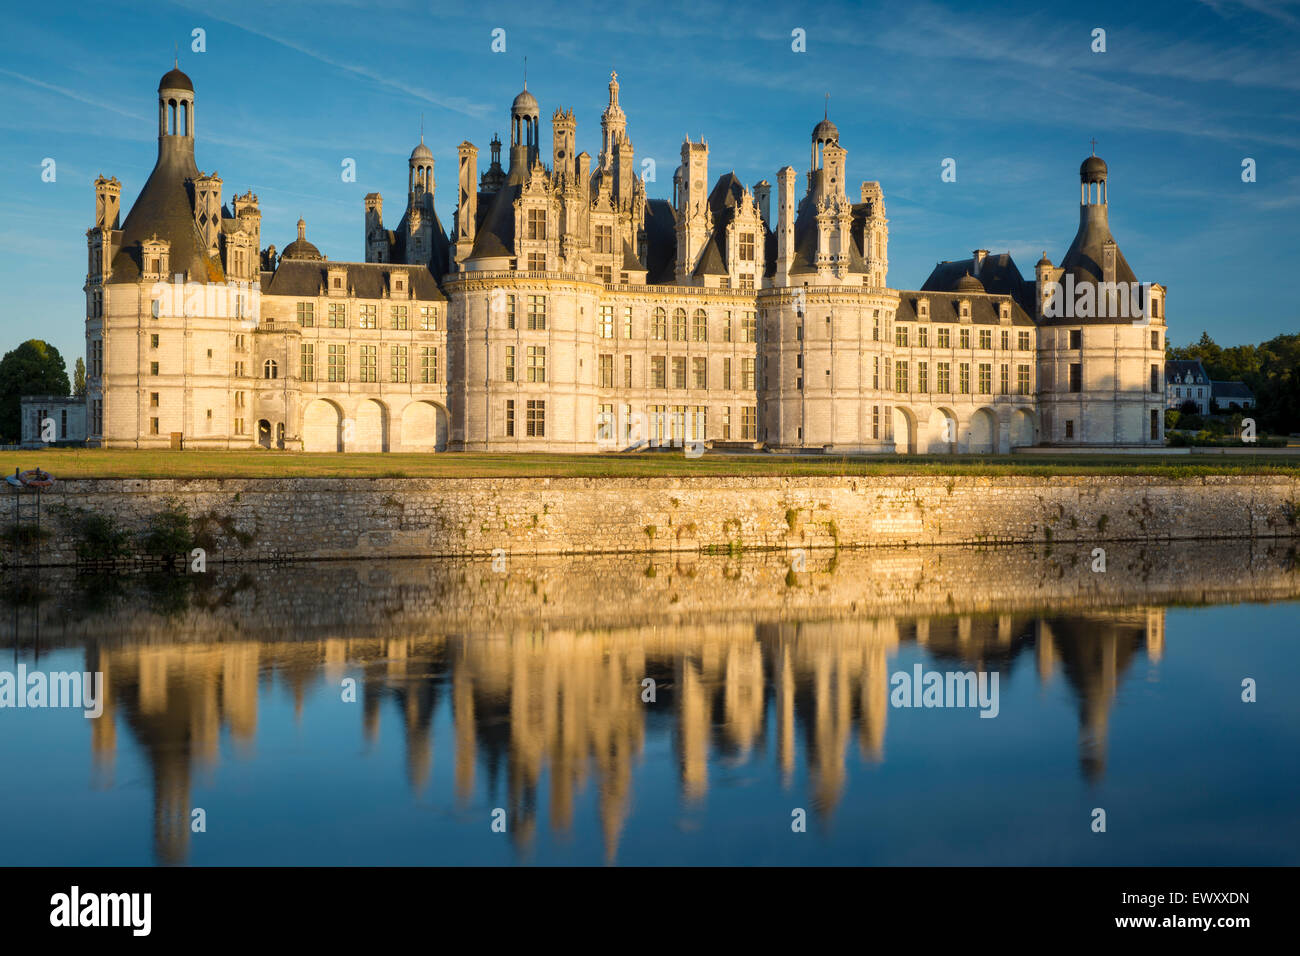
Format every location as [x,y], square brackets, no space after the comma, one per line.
[785,178]
[467,204]
[763,199]
[978,259]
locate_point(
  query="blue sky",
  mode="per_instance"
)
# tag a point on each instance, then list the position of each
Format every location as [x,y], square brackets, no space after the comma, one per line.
[1013,92]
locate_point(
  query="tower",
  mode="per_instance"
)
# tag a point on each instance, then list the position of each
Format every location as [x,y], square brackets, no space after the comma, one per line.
[693,219]
[613,127]
[563,136]
[523,131]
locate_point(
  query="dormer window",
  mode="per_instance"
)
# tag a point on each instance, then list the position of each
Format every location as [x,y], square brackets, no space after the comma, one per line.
[923,308]
[337,282]
[1004,311]
[964,308]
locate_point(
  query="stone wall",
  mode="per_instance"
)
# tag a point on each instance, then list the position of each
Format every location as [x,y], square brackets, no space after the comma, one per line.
[319,518]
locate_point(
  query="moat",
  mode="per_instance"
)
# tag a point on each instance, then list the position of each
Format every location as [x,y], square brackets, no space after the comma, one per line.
[664,709]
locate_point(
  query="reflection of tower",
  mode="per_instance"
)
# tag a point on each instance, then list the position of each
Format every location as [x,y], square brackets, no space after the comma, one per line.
[1155,634]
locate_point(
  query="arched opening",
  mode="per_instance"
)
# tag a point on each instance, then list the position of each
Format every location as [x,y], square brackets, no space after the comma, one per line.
[322,427]
[370,431]
[264,433]
[279,434]
[941,437]
[904,431]
[424,427]
[171,117]
[270,369]
[1022,429]
[185,119]
[983,432]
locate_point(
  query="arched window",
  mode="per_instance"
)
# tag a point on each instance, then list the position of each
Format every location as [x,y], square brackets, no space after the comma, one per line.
[661,324]
[171,117]
[679,325]
[700,326]
[184,128]
[270,369]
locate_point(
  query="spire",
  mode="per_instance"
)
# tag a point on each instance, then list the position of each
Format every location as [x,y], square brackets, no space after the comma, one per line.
[302,228]
[525,72]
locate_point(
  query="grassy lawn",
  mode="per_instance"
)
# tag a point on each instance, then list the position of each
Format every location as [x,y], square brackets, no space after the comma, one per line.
[127,463]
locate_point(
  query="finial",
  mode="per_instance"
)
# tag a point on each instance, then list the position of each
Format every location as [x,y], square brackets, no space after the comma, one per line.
[422,129]
[1094,146]
[525,72]
[176,55]
[826,113]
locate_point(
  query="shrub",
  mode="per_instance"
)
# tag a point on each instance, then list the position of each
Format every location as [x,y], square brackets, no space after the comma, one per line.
[169,533]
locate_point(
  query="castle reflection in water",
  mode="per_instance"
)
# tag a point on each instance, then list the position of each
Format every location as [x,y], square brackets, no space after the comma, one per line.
[542,669]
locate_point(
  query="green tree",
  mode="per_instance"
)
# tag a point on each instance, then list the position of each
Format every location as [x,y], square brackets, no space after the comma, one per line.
[34,368]
[79,378]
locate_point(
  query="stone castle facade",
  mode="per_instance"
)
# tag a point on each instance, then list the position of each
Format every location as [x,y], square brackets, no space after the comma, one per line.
[566,311]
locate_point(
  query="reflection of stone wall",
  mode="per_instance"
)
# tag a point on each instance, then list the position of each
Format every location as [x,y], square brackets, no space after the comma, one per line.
[679,592]
[351,518]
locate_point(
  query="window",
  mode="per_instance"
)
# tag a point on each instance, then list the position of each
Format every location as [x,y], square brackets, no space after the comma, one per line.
[536,312]
[986,338]
[697,423]
[922,376]
[875,372]
[338,315]
[1076,377]
[963,378]
[700,326]
[428,318]
[604,423]
[875,326]
[1155,340]
[746,247]
[397,366]
[964,336]
[308,366]
[429,365]
[747,374]
[537,263]
[153,340]
[306,314]
[239,426]
[398,317]
[1069,428]
[1022,379]
[749,423]
[900,376]
[537,224]
[606,328]
[1006,340]
[510,363]
[749,327]
[1155,425]
[337,363]
[985,378]
[153,369]
[536,363]
[700,372]
[1022,341]
[536,422]
[747,283]
[679,372]
[627,371]
[900,336]
[726,372]
[923,337]
[510,418]
[658,371]
[153,426]
[1155,378]
[726,424]
[369,317]
[153,401]
[875,421]
[627,321]
[889,372]
[660,324]
[604,239]
[942,379]
[1004,380]
[510,312]
[1076,338]
[369,363]
[239,370]
[945,338]
[606,371]
[679,325]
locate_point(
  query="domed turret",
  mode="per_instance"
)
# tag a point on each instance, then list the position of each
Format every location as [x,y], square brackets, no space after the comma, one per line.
[825,132]
[300,248]
[968,283]
[524,114]
[174,79]
[1092,170]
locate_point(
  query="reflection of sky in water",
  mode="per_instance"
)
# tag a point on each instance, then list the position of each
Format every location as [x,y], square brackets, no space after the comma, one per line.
[1137,711]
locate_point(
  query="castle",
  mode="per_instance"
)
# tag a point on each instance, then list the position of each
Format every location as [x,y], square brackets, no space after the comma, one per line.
[567,311]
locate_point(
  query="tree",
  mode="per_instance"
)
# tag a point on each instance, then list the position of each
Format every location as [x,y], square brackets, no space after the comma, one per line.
[79,378]
[34,368]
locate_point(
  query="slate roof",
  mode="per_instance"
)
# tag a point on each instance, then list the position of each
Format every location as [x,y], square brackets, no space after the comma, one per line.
[165,207]
[944,308]
[365,280]
[661,241]
[1176,370]
[1231,390]
[997,273]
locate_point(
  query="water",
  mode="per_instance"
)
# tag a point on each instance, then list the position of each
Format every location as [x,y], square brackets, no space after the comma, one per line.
[523,691]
